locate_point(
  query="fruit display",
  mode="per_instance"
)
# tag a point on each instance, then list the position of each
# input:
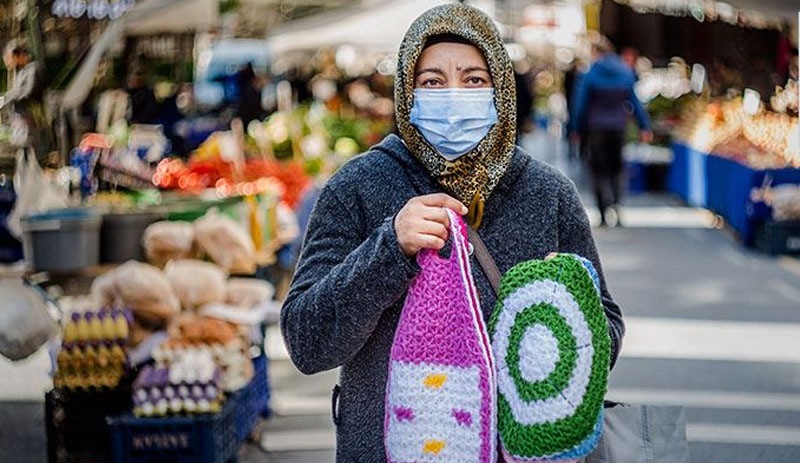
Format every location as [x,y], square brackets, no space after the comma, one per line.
[94,349]
[766,140]
[785,99]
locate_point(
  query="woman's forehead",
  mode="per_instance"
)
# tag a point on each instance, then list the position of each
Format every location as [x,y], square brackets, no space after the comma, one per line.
[450,52]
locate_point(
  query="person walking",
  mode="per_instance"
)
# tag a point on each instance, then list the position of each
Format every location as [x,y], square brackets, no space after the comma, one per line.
[455,106]
[604,97]
[25,98]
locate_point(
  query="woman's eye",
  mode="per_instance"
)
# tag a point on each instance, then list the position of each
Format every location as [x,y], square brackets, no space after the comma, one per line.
[431,83]
[476,80]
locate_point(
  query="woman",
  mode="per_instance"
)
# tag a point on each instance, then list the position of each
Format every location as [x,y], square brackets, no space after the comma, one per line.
[381,208]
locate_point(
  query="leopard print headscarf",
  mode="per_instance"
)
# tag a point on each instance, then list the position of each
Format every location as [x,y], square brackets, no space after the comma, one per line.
[472,177]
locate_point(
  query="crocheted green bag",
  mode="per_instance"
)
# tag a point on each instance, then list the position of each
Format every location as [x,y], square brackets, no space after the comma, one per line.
[552,351]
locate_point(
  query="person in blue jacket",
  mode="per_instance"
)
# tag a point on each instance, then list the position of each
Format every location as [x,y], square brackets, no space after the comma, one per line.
[603,102]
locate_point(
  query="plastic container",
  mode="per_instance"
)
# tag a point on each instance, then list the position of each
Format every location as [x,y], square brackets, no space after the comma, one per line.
[253,400]
[181,439]
[62,241]
[121,235]
[77,431]
[779,237]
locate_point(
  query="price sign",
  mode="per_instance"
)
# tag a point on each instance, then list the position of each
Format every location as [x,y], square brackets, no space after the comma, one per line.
[93,9]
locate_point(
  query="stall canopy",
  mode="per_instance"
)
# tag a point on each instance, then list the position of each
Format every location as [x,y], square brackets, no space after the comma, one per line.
[379,27]
[147,17]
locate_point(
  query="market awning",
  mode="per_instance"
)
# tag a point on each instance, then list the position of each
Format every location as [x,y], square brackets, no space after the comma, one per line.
[377,28]
[147,17]
[175,16]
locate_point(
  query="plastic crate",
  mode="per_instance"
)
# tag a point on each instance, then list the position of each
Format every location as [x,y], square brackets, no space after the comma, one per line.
[181,439]
[779,237]
[76,424]
[253,400]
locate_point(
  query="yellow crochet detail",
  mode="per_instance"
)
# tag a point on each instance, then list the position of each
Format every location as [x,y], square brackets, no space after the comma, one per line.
[433,446]
[435,380]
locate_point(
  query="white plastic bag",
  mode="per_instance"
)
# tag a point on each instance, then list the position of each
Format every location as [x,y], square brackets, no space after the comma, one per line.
[165,241]
[248,292]
[143,288]
[196,283]
[26,323]
[35,193]
[226,242]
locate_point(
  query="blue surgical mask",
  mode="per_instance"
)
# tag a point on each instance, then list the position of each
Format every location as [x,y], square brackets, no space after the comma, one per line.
[454,120]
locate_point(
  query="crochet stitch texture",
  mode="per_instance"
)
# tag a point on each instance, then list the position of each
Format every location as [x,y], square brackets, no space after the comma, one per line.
[440,396]
[552,349]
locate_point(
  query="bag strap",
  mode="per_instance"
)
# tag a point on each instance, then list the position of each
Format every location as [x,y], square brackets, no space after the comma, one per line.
[485,260]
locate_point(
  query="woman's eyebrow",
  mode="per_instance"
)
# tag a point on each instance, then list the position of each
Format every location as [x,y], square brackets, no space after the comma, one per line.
[473,68]
[424,70]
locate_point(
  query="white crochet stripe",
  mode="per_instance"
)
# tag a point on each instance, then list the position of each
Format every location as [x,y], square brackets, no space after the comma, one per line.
[432,408]
[539,341]
[460,245]
[561,405]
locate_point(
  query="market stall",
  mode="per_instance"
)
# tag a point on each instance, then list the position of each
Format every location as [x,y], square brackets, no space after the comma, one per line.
[732,161]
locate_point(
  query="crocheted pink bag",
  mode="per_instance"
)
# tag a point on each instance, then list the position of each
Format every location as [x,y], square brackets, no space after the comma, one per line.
[440,395]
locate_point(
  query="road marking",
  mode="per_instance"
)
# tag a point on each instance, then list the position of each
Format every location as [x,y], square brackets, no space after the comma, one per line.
[294,405]
[742,434]
[660,217]
[728,400]
[788,291]
[307,439]
[711,340]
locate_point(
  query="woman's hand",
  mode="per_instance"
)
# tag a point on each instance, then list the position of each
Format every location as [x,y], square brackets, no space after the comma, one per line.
[423,222]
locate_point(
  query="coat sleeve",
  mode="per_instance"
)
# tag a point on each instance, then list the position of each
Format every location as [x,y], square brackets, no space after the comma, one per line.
[575,236]
[342,285]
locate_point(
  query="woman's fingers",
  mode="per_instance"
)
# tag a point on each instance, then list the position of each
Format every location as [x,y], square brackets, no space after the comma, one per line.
[443,200]
[423,222]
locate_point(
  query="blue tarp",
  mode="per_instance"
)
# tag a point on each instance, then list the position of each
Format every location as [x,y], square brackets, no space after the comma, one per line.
[723,186]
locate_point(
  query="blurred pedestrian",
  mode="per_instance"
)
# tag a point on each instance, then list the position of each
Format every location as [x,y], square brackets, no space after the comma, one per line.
[577,149]
[248,99]
[524,103]
[455,108]
[25,98]
[603,97]
[143,103]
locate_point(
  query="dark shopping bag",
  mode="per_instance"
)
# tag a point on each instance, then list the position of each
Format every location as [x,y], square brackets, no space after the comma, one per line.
[642,434]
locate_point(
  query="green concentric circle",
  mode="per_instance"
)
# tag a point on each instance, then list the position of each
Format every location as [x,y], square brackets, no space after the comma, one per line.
[547,315]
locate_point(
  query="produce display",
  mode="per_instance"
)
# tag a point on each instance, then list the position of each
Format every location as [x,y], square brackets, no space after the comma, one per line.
[785,99]
[220,339]
[94,349]
[765,140]
[191,384]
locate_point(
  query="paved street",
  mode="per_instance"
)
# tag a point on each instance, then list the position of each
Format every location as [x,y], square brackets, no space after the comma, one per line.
[711,325]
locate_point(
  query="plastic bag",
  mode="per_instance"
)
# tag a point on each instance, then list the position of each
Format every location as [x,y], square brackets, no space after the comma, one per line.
[165,241]
[26,323]
[247,292]
[35,193]
[196,283]
[226,242]
[146,291]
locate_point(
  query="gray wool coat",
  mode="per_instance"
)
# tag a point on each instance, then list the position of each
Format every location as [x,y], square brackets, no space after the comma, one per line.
[351,280]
